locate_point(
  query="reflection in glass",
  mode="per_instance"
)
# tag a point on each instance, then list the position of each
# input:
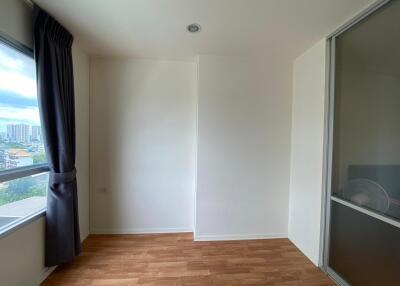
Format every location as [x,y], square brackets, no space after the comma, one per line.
[22,197]
[366,144]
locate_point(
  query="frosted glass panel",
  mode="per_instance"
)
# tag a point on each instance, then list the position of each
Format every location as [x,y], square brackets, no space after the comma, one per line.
[364,250]
[366,147]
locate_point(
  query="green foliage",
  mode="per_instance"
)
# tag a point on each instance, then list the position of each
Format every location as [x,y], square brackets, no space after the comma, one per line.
[39,158]
[23,188]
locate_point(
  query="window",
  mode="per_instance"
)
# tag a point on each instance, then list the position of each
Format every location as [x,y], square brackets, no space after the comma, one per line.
[23,164]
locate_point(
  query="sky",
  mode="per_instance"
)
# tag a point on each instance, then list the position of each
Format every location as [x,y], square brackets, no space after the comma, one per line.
[18,99]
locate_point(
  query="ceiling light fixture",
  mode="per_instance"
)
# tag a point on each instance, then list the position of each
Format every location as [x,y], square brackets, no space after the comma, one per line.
[194,28]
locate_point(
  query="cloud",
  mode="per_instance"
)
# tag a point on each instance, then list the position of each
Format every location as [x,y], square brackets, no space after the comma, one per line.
[17,83]
[28,115]
[17,72]
[8,61]
[13,99]
[18,99]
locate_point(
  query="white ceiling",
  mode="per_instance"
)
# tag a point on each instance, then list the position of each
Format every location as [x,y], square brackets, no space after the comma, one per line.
[157,28]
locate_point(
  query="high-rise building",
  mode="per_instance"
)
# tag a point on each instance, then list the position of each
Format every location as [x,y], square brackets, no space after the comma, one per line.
[36,133]
[3,135]
[23,133]
[18,133]
[11,132]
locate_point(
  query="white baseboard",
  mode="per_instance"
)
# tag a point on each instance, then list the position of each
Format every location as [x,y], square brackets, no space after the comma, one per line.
[84,235]
[46,274]
[139,230]
[238,237]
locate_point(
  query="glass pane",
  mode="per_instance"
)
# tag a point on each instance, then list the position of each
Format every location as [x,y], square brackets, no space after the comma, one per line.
[366,147]
[363,250]
[22,197]
[21,141]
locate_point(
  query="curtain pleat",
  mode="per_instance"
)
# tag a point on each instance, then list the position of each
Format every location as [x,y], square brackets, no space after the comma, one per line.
[54,71]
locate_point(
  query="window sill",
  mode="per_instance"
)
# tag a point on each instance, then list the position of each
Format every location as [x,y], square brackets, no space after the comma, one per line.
[21,222]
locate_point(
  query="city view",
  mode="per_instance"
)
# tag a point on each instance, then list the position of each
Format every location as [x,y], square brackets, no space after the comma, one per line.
[21,142]
[21,145]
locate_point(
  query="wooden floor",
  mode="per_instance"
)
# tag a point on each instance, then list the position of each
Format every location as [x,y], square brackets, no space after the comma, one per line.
[175,259]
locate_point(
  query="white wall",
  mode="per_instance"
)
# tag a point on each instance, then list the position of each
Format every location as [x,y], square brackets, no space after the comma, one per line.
[307,150]
[244,119]
[81,81]
[22,256]
[143,134]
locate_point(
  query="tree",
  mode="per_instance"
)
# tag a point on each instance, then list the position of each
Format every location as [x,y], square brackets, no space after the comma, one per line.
[23,188]
[39,158]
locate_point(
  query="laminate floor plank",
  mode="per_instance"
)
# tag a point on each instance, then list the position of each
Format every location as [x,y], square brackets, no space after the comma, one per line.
[175,259]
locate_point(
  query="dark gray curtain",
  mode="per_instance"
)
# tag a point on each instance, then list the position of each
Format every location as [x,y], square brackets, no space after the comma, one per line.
[52,49]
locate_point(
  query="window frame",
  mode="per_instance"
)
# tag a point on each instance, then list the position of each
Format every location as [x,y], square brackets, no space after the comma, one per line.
[24,171]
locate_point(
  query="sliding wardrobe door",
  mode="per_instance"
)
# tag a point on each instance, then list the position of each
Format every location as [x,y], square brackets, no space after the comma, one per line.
[364,203]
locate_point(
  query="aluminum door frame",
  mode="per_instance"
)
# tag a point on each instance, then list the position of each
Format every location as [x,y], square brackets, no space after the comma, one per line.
[328,145]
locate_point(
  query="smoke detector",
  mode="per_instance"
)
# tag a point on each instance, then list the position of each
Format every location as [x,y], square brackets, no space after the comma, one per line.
[193,28]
